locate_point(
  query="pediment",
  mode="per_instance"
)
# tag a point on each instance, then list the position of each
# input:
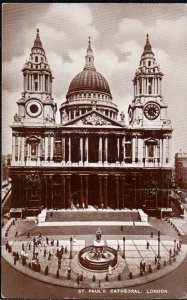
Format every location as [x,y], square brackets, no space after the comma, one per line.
[151,141]
[95,119]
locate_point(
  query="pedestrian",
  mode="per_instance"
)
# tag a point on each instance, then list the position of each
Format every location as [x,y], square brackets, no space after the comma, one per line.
[118,247]
[151,234]
[69,274]
[23,246]
[59,264]
[141,265]
[57,243]
[170,252]
[15,260]
[66,250]
[49,257]
[158,265]
[47,240]
[81,276]
[149,268]
[16,235]
[62,250]
[78,279]
[45,252]
[34,240]
[147,245]
[6,245]
[144,265]
[46,270]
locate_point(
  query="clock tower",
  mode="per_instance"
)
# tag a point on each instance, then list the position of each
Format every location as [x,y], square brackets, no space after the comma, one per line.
[148,108]
[36,105]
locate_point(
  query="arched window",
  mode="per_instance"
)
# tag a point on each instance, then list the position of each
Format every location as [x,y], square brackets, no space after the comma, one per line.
[36,58]
[149,63]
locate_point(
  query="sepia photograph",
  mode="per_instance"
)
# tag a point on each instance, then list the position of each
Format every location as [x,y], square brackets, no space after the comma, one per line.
[94,151]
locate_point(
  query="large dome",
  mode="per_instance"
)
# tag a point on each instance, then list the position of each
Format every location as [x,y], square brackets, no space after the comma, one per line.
[89,79]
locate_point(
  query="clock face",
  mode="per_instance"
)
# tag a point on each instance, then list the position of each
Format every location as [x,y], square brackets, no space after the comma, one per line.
[152,111]
[34,108]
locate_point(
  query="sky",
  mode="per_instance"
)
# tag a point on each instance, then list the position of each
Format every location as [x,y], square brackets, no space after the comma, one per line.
[118,33]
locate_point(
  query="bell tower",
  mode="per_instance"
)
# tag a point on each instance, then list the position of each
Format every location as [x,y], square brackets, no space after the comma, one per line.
[148,108]
[36,105]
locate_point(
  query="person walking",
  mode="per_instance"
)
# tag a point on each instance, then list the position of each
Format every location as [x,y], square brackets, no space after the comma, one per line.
[78,279]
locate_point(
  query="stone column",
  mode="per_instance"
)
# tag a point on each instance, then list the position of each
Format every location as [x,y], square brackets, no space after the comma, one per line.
[144,151]
[117,191]
[106,150]
[82,192]
[19,150]
[158,152]
[123,152]
[136,148]
[123,196]
[140,148]
[100,149]
[81,152]
[22,150]
[69,148]
[86,151]
[100,192]
[38,153]
[13,148]
[69,190]
[133,149]
[167,149]
[164,151]
[63,201]
[105,191]
[86,191]
[52,148]
[63,150]
[117,150]
[46,148]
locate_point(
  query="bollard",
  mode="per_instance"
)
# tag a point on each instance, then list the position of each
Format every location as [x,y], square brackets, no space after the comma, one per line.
[130,275]
[94,278]
[107,279]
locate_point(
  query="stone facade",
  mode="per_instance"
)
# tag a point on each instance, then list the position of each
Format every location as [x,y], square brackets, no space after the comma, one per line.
[90,158]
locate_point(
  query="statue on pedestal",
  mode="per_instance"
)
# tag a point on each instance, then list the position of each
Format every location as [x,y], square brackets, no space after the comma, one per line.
[98,235]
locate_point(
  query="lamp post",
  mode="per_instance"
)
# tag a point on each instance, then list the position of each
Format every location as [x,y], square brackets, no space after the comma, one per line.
[124,247]
[71,248]
[158,256]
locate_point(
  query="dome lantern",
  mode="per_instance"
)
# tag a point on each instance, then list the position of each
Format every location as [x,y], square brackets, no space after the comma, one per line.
[89,56]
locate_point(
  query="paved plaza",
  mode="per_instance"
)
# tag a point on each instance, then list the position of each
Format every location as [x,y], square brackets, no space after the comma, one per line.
[137,249]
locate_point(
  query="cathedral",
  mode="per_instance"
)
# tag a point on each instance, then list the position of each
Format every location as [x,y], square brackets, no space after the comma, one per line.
[93,157]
